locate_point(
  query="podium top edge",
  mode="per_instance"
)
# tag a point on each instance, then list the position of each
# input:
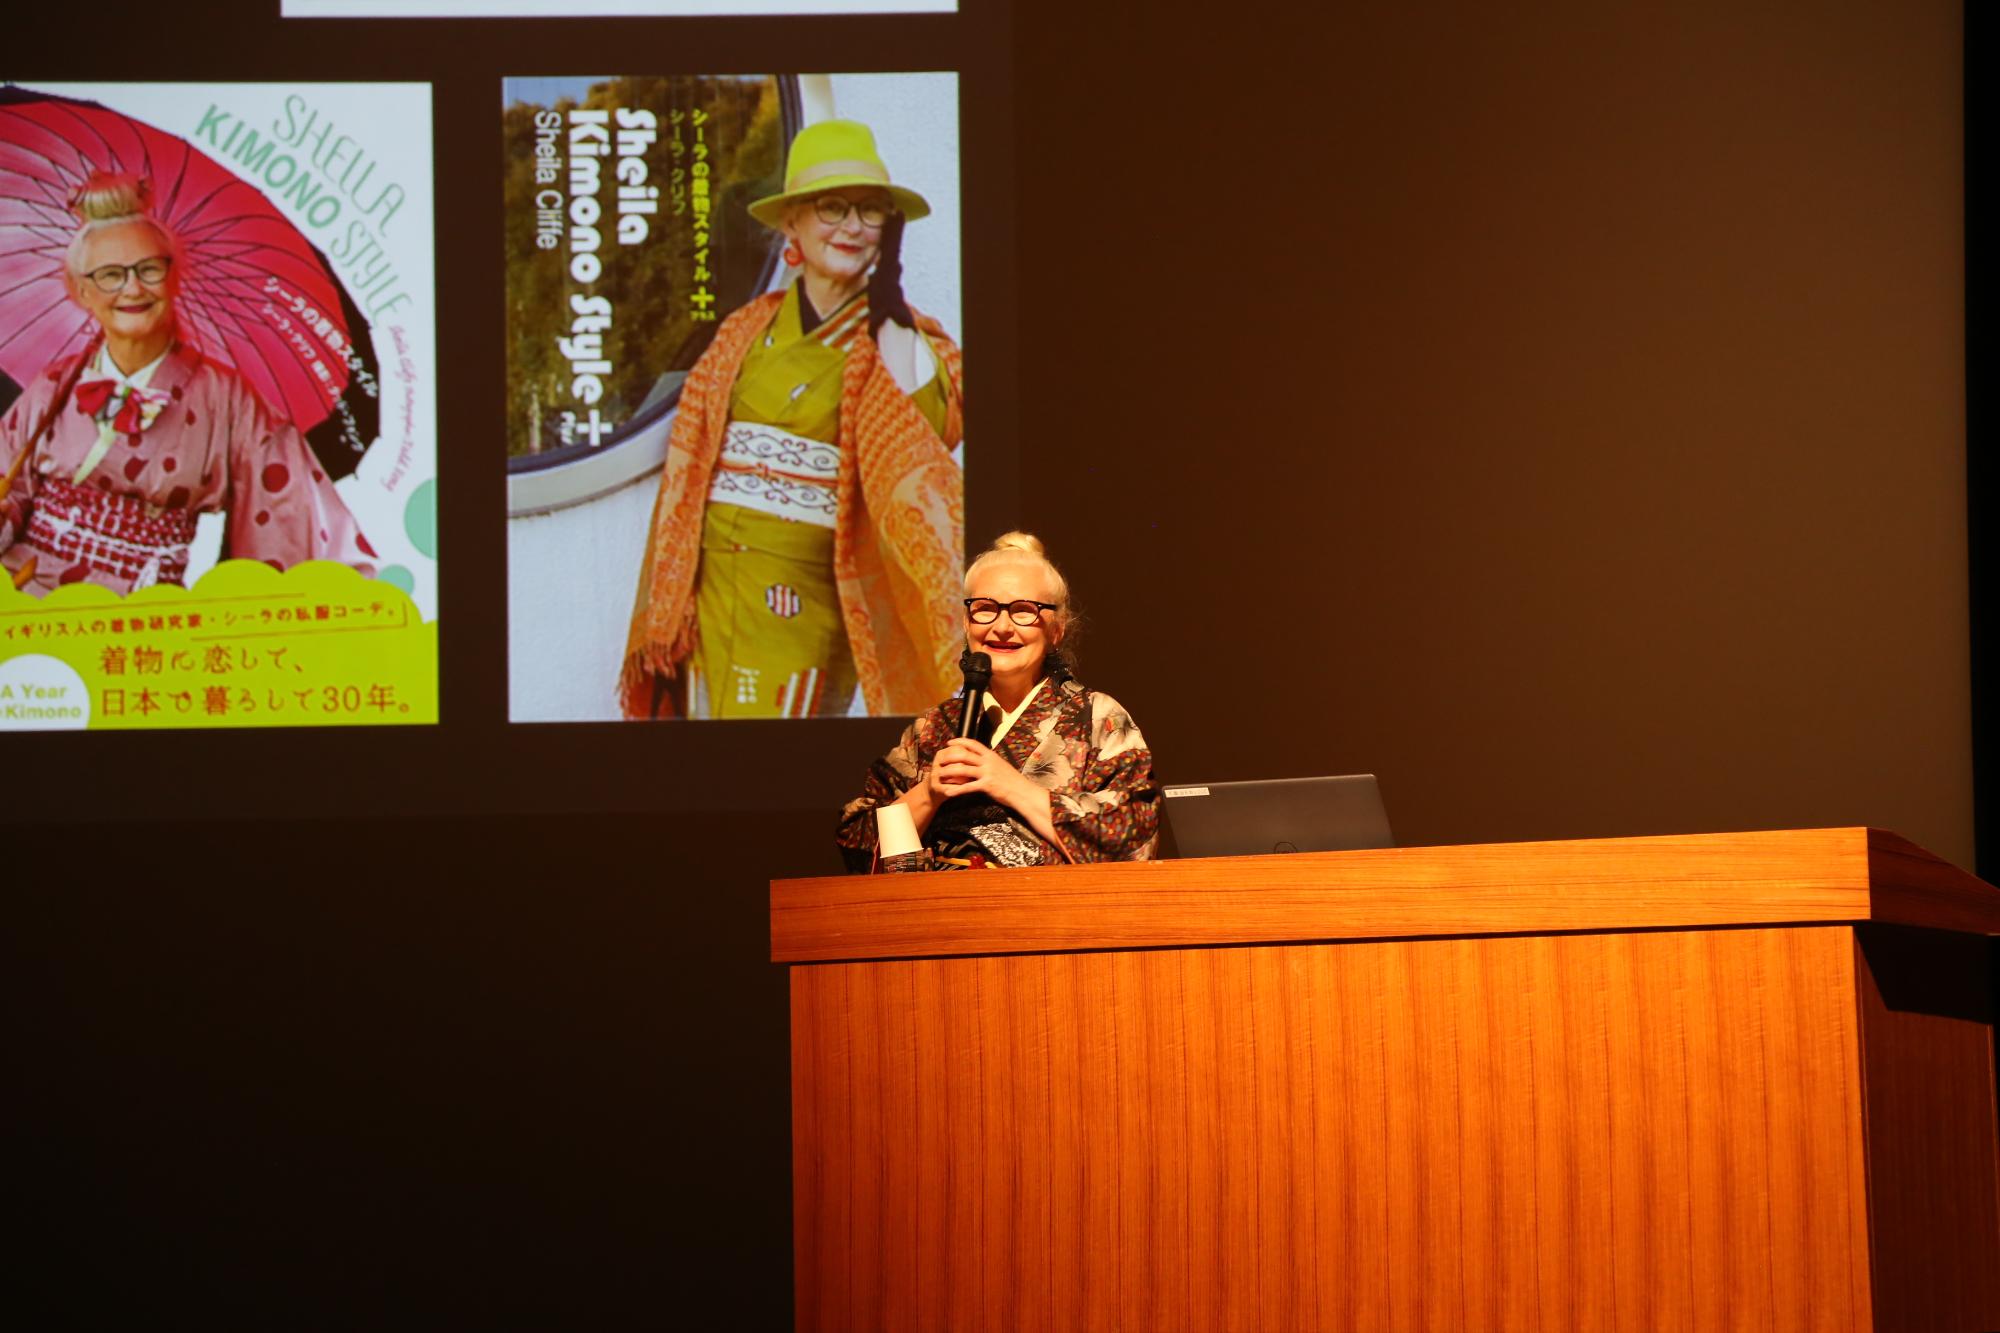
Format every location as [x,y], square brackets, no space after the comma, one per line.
[1691,881]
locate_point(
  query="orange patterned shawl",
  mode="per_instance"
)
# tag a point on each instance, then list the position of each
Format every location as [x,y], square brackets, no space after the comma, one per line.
[899,534]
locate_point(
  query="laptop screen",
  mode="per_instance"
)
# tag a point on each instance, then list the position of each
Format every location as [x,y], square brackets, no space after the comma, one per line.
[1330,814]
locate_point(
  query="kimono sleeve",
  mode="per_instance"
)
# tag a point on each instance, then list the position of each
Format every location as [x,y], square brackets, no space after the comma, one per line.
[679,503]
[14,429]
[282,507]
[1112,811]
[888,778]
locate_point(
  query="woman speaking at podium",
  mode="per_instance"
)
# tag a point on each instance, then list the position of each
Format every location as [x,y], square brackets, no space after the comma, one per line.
[1060,772]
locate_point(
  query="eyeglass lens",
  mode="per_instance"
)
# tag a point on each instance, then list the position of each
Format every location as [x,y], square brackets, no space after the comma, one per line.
[832,209]
[985,612]
[152,272]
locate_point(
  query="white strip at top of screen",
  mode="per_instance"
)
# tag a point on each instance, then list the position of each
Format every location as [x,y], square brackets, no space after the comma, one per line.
[414,9]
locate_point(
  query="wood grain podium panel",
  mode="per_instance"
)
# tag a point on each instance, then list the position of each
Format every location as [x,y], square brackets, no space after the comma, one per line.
[1658,1130]
[1934,1174]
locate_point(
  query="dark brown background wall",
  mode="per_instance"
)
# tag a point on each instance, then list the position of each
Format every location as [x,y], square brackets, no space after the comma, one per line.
[1557,409]
[1560,413]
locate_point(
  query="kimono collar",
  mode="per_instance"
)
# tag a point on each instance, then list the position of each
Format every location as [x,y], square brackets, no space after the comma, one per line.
[799,306]
[172,371]
[105,368]
[1009,716]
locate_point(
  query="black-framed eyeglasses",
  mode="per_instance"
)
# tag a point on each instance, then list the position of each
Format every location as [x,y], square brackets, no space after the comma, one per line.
[151,271]
[832,209]
[984,610]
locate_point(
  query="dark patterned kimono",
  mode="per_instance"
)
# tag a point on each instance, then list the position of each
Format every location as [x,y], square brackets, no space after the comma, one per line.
[1079,744]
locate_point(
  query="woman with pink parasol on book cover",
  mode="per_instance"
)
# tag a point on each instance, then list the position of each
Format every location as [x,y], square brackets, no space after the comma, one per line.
[109,455]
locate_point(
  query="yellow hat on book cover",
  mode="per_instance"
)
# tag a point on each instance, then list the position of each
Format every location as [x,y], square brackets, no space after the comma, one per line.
[831,156]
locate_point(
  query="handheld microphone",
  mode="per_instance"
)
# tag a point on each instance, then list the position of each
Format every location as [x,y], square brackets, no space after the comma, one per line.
[954,820]
[978,669]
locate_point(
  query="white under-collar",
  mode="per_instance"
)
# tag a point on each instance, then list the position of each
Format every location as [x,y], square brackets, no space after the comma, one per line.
[1008,716]
[139,378]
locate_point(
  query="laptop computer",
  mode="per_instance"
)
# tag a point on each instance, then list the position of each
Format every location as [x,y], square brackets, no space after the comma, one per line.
[1331,814]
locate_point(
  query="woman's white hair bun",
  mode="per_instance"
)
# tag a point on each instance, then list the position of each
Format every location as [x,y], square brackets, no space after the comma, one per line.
[107,198]
[111,197]
[1020,541]
[1009,545]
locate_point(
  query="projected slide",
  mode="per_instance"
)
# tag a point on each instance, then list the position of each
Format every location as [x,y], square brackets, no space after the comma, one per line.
[394,9]
[217,401]
[735,395]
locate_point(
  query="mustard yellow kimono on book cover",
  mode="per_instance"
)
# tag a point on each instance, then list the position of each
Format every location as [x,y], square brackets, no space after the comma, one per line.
[769,638]
[809,530]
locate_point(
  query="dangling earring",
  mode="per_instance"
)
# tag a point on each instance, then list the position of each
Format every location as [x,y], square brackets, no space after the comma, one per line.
[1056,664]
[793,255]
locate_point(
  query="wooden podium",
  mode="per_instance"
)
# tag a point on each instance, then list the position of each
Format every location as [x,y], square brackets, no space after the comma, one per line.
[1726,1081]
